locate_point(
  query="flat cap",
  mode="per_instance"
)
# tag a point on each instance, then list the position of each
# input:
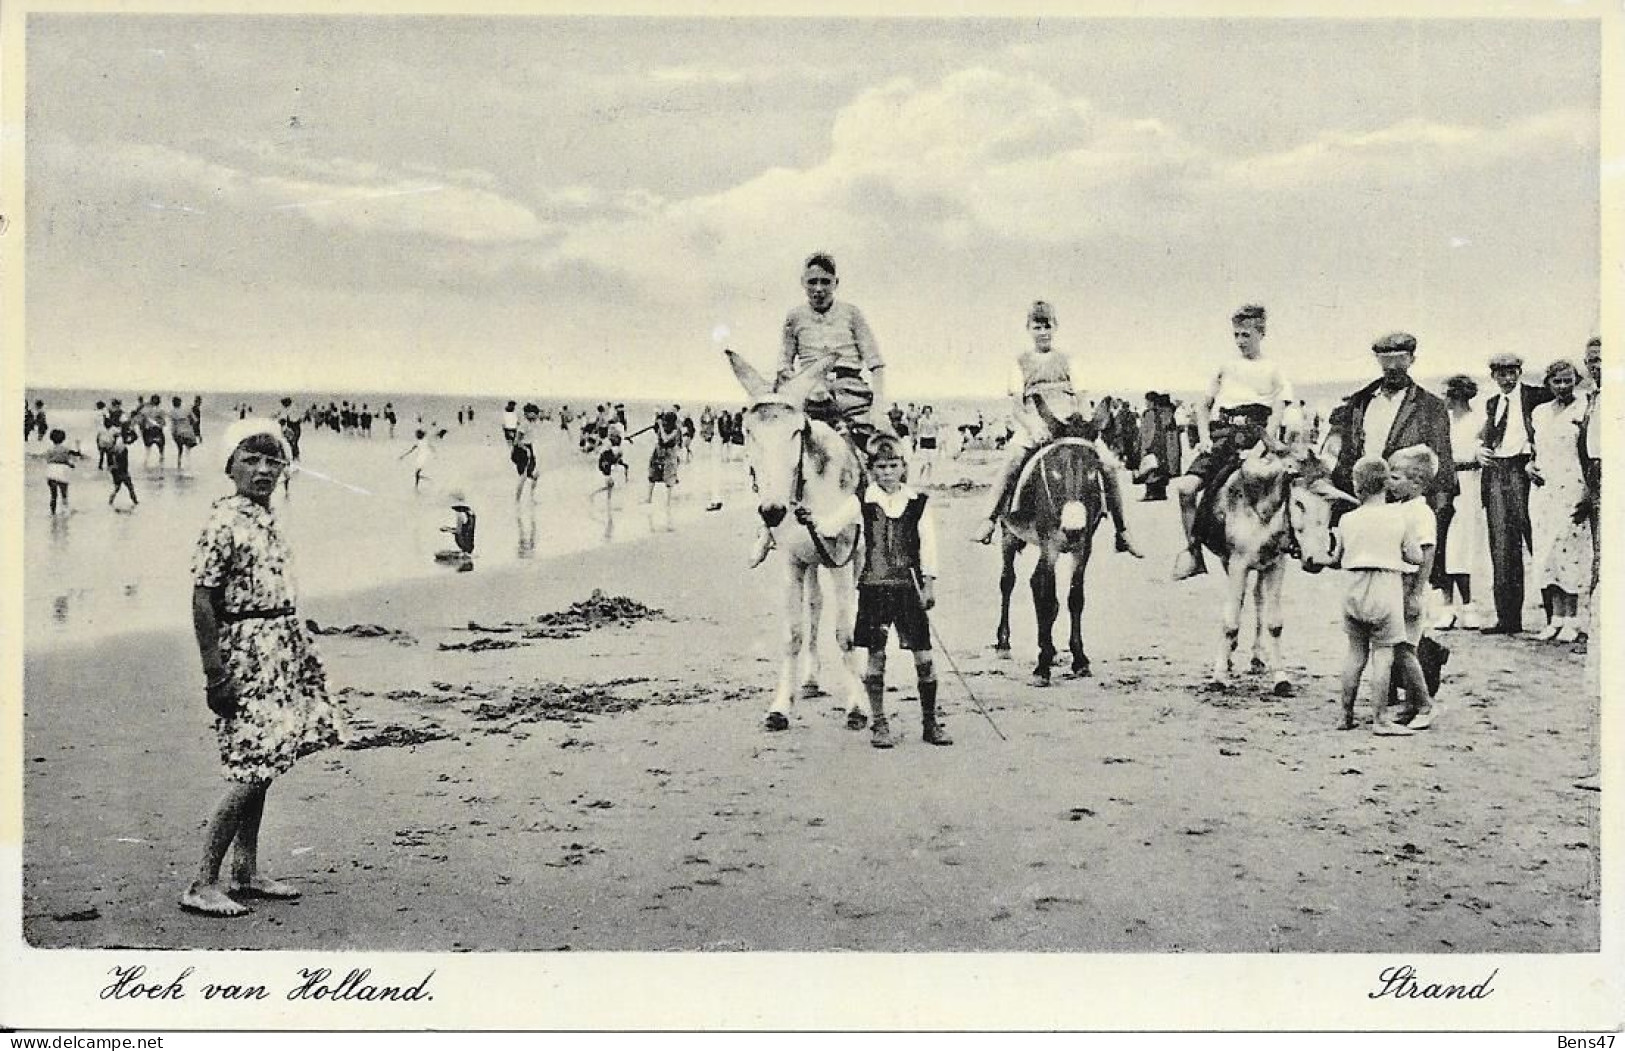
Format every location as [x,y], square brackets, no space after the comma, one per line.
[1395,343]
[1505,360]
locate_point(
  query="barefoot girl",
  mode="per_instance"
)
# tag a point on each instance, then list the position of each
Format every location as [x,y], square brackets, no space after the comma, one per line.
[263,679]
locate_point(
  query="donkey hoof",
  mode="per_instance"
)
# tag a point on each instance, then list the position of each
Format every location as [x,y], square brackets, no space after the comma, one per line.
[1257,666]
[1284,689]
[856,720]
[777,721]
[1002,647]
[1216,686]
[810,690]
[1080,671]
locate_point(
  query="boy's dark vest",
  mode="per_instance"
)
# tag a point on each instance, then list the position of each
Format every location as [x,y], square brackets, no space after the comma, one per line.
[891,545]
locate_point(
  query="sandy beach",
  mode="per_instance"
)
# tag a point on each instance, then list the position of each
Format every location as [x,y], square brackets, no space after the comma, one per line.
[606,784]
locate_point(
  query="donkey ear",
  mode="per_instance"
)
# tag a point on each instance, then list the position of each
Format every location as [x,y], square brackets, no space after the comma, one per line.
[747,376]
[797,387]
[1327,491]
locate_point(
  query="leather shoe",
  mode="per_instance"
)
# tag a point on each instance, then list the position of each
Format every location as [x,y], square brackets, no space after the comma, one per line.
[1501,629]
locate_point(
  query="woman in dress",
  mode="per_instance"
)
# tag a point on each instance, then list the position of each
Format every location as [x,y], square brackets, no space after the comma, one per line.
[1466,540]
[1562,546]
[263,679]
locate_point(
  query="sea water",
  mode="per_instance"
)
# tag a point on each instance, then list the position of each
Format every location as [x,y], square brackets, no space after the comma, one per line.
[351,514]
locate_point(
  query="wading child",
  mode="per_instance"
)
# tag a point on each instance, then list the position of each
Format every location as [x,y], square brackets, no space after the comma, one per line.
[1240,383]
[1048,409]
[663,459]
[263,679]
[462,534]
[895,586]
[59,467]
[1410,472]
[118,467]
[522,449]
[1377,550]
[184,428]
[421,452]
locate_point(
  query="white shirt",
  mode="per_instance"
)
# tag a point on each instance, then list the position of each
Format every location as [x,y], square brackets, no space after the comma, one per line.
[1379,418]
[1249,381]
[510,419]
[1421,527]
[1515,442]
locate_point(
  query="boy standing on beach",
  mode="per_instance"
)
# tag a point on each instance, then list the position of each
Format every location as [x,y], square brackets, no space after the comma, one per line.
[1241,383]
[1377,550]
[895,586]
[1410,471]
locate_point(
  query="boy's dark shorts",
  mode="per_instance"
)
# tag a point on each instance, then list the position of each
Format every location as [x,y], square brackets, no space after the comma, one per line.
[1215,463]
[1222,458]
[609,459]
[879,606]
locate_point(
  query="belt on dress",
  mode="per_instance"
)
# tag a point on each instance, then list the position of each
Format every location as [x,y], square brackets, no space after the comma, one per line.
[232,615]
[846,372]
[1510,461]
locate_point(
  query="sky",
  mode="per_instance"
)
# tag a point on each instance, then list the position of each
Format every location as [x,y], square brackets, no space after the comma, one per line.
[595,206]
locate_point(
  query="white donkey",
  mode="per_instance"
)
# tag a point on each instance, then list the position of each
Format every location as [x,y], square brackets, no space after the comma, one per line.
[796,461]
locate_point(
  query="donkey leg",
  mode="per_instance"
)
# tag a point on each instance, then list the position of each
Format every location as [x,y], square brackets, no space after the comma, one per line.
[778,717]
[1074,607]
[1007,584]
[1274,581]
[1235,593]
[810,664]
[1045,607]
[844,592]
[1260,656]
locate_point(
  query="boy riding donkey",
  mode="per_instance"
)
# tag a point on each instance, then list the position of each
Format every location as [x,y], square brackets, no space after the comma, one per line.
[1046,384]
[836,334]
[1245,395]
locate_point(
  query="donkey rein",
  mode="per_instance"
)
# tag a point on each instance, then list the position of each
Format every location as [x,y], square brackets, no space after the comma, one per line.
[824,557]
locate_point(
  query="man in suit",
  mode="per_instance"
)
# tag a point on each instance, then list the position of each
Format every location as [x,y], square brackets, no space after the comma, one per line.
[1391,413]
[1508,443]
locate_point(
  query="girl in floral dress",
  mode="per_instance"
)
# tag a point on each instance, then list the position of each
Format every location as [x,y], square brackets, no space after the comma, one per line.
[263,678]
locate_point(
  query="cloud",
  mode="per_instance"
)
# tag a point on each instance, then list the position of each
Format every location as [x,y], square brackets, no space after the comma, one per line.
[327,193]
[1414,150]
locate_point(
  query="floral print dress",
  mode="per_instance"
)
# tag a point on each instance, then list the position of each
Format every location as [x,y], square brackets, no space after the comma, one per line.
[281,685]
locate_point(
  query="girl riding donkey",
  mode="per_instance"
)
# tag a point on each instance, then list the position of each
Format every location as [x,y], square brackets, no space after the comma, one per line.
[1046,393]
[834,334]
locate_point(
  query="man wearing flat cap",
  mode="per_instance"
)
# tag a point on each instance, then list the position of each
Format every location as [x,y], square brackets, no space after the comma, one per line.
[1504,451]
[1391,413]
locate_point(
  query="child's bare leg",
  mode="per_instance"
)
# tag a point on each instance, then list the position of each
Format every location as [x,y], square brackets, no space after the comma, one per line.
[1382,679]
[245,877]
[206,894]
[1353,668]
[874,684]
[1001,496]
[1190,562]
[1114,507]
